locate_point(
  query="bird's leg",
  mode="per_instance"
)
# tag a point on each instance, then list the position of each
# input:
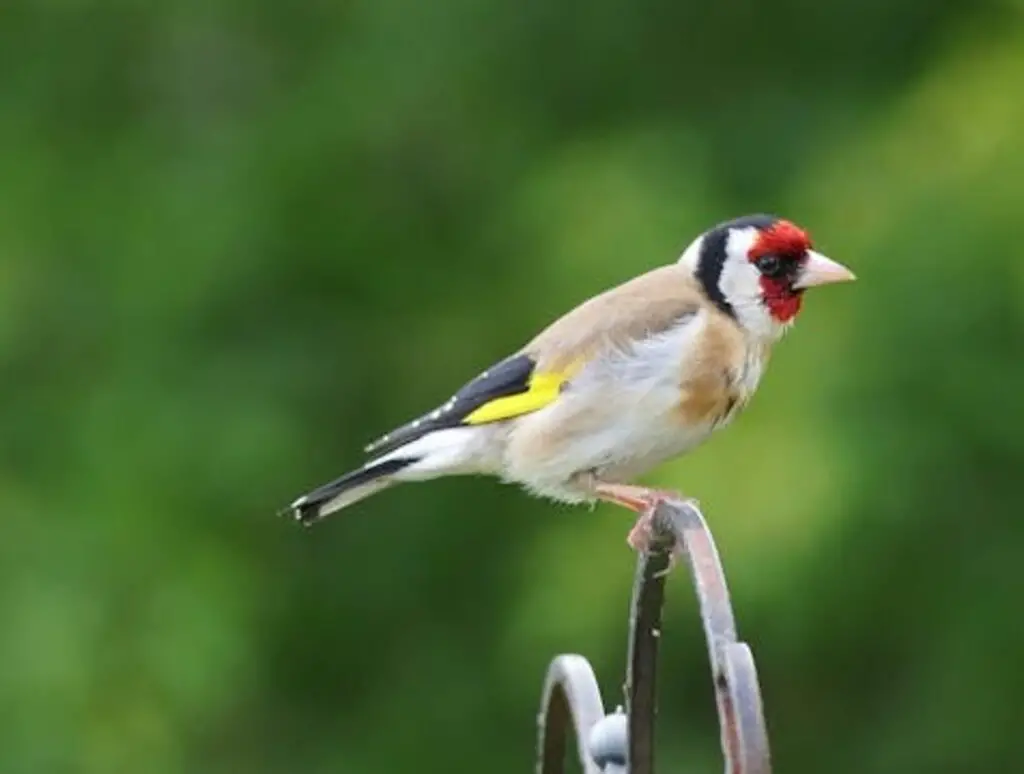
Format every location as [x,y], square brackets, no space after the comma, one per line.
[641,500]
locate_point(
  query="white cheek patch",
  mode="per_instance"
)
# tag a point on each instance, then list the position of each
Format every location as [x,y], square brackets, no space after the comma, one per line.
[741,285]
[740,282]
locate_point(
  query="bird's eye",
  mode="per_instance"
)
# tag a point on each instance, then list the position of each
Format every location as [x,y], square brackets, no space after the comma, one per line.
[769,265]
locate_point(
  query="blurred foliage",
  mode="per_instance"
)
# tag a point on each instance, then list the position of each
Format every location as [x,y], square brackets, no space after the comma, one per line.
[238,239]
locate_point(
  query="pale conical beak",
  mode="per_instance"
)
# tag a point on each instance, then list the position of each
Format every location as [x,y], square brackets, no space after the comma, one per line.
[820,270]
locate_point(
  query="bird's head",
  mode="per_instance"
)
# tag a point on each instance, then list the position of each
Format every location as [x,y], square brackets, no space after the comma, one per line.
[756,270]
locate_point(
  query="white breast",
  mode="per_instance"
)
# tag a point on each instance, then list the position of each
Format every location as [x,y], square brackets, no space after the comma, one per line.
[620,415]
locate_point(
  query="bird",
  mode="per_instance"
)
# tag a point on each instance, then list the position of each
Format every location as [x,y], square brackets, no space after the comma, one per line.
[639,374]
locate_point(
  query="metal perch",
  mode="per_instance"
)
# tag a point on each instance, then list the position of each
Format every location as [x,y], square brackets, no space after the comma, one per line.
[623,742]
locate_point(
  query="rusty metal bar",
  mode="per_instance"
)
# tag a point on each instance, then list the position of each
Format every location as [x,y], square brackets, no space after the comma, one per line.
[606,743]
[642,654]
[734,675]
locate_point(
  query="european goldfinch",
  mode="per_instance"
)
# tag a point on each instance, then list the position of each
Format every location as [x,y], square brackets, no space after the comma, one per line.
[630,378]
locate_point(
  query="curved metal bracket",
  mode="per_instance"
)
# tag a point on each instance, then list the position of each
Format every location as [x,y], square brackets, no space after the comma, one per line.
[571,689]
[570,693]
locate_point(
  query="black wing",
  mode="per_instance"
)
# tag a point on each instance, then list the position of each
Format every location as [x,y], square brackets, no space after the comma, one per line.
[511,376]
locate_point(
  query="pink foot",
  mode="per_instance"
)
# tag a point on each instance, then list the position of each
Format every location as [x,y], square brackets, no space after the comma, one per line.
[642,534]
[643,501]
[641,537]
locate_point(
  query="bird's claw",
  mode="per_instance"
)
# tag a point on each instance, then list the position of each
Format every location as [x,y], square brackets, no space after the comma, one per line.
[641,537]
[645,502]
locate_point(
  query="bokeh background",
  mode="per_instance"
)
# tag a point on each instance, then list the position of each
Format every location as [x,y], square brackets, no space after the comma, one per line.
[239,239]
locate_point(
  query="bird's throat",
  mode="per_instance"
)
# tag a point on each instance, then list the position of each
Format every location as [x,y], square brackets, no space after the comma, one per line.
[782,302]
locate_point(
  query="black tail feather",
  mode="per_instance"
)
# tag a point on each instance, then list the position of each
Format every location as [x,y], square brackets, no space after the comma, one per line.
[307,508]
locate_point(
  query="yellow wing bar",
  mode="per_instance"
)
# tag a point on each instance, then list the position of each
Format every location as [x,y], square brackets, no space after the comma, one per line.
[516,389]
[541,390]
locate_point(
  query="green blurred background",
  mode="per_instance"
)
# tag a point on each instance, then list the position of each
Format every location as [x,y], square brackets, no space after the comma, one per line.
[239,239]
